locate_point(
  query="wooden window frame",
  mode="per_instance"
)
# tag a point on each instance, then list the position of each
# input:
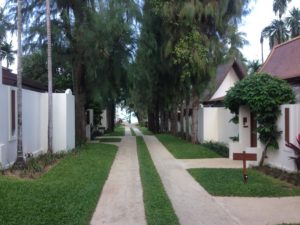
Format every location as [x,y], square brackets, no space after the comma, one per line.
[12,113]
[287,124]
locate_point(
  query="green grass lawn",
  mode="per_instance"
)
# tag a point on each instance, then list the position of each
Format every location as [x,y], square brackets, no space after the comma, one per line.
[110,139]
[182,149]
[67,194]
[229,182]
[158,208]
[119,131]
[145,130]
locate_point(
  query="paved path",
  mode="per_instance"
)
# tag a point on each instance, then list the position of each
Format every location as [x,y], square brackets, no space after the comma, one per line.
[127,131]
[137,131]
[192,204]
[262,211]
[121,201]
[210,163]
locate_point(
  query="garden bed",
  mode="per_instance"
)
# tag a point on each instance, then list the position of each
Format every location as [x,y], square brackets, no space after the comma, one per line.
[292,178]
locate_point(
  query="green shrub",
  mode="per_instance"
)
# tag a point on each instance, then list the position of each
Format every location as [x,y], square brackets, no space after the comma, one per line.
[217,147]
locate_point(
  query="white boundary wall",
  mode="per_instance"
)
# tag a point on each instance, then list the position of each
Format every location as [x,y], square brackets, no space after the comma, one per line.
[35,123]
[214,125]
[276,157]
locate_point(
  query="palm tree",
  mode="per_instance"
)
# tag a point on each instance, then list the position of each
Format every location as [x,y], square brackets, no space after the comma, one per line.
[262,48]
[236,41]
[277,33]
[253,66]
[4,25]
[280,6]
[293,22]
[7,53]
[20,158]
[50,111]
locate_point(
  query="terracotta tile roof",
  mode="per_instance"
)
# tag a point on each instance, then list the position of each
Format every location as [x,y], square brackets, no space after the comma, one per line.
[9,78]
[284,60]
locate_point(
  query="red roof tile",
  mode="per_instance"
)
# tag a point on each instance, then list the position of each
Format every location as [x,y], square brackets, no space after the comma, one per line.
[284,60]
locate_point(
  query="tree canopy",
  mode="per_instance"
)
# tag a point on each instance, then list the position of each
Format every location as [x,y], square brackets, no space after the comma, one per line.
[180,45]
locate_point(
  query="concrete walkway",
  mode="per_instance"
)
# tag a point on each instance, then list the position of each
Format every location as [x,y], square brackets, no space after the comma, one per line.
[137,131]
[210,163]
[127,131]
[262,211]
[121,201]
[192,204]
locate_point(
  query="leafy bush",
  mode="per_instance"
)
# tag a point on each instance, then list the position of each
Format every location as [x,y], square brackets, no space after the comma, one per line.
[263,94]
[217,147]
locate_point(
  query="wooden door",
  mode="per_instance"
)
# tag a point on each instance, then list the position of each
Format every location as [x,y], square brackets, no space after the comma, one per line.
[253,133]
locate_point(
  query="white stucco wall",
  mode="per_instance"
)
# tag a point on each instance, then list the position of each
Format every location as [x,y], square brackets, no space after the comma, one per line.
[226,129]
[243,132]
[280,158]
[214,125]
[31,124]
[35,122]
[104,119]
[63,121]
[229,81]
[276,157]
[70,119]
[209,125]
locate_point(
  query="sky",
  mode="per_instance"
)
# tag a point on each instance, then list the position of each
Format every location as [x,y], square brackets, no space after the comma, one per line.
[261,16]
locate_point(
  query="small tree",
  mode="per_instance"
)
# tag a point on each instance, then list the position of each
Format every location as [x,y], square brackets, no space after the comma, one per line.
[263,94]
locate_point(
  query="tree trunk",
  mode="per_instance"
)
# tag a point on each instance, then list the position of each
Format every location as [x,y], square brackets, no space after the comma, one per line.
[262,49]
[150,120]
[50,85]
[264,154]
[187,121]
[162,122]
[156,118]
[79,91]
[181,119]
[113,116]
[195,104]
[110,112]
[20,158]
[174,121]
[166,122]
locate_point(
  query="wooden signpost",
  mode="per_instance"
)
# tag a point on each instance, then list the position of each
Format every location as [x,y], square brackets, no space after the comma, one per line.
[245,157]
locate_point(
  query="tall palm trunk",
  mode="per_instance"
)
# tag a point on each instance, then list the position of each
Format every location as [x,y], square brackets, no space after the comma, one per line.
[50,106]
[195,104]
[79,90]
[20,158]
[262,49]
